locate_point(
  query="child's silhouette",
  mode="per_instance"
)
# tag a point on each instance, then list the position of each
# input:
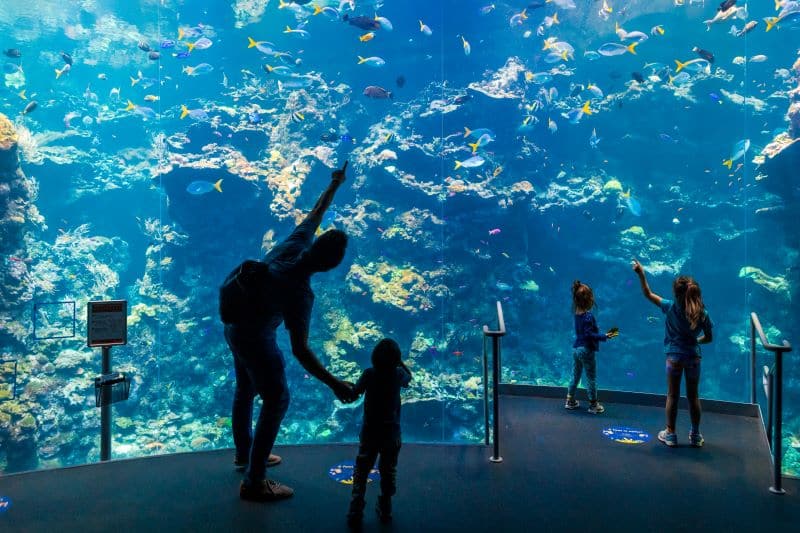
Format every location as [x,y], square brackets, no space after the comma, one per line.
[380,433]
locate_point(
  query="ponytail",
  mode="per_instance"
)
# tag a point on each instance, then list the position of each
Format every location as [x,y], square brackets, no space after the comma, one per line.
[582,296]
[687,294]
[695,309]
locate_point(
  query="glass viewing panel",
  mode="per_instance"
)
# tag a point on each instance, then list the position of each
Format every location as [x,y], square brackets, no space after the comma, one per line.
[497,152]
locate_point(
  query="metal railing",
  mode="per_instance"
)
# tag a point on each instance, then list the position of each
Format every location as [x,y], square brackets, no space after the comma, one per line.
[773,381]
[495,336]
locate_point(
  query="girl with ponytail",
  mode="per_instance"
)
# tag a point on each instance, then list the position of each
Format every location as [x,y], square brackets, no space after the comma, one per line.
[587,342]
[687,326]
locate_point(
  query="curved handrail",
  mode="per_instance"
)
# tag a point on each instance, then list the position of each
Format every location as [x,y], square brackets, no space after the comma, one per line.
[786,347]
[774,396]
[501,324]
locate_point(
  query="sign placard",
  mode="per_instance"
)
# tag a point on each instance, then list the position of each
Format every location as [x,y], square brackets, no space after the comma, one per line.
[107,323]
[343,473]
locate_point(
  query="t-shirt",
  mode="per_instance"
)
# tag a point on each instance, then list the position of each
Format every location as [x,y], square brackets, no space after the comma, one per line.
[587,333]
[293,282]
[679,337]
[382,399]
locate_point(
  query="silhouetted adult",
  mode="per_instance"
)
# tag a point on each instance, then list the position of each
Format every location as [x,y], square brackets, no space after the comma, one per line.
[259,363]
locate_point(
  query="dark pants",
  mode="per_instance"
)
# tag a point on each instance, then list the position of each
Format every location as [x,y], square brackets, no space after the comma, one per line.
[259,367]
[370,447]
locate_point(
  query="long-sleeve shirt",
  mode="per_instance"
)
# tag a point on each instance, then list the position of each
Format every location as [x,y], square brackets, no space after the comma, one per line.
[587,333]
[382,399]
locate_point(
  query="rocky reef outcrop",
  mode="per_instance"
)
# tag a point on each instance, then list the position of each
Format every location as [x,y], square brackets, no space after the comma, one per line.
[18,214]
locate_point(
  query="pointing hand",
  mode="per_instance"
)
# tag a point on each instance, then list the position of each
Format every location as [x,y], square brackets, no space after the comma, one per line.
[338,175]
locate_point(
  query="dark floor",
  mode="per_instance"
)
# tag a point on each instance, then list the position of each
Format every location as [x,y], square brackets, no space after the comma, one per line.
[560,473]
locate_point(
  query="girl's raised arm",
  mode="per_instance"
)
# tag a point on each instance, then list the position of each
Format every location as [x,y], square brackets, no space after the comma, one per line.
[650,295]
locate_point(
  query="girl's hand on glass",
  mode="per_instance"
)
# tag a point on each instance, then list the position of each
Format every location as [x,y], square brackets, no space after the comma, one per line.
[637,267]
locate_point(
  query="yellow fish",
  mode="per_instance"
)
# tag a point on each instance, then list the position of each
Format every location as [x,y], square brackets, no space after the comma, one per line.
[151,98]
[367,37]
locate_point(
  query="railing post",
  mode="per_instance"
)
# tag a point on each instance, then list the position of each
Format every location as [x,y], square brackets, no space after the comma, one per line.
[495,458]
[769,383]
[495,335]
[777,436]
[485,394]
[775,386]
[752,361]
[105,409]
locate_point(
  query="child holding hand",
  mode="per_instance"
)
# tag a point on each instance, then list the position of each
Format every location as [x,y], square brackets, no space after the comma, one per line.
[380,432]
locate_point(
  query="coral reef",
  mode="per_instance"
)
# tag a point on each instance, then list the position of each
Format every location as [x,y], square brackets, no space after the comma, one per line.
[503,83]
[357,335]
[401,287]
[776,284]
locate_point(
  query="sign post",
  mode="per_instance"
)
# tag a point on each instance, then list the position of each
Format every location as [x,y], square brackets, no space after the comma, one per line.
[107,324]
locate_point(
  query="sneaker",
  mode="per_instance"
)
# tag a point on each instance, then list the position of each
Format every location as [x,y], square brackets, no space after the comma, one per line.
[384,509]
[241,464]
[696,439]
[355,521]
[596,408]
[355,515]
[670,439]
[572,404]
[266,490]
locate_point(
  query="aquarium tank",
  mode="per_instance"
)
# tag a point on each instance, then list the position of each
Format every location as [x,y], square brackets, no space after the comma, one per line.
[497,151]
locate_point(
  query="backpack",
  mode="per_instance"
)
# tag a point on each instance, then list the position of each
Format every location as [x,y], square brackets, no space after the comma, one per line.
[245,294]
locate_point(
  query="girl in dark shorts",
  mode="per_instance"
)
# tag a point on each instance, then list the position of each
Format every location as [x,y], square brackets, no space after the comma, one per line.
[687,326]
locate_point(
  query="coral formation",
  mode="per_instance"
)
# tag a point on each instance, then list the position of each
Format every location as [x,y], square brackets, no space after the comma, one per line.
[401,287]
[771,283]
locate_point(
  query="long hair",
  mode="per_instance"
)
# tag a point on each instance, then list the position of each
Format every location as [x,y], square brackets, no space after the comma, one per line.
[582,296]
[386,355]
[688,295]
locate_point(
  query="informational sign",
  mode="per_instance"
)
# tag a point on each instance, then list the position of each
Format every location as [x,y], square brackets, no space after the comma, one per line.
[5,503]
[107,323]
[343,473]
[626,435]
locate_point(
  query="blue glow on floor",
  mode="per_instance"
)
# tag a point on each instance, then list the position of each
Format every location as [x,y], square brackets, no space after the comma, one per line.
[626,435]
[343,473]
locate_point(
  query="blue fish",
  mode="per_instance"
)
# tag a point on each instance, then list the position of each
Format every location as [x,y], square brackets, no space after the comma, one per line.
[167,43]
[633,204]
[254,117]
[347,138]
[202,187]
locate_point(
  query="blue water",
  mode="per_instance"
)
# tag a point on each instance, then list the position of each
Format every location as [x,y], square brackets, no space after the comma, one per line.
[425,264]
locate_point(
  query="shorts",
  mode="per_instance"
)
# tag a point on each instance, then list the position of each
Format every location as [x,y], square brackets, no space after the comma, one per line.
[687,364]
